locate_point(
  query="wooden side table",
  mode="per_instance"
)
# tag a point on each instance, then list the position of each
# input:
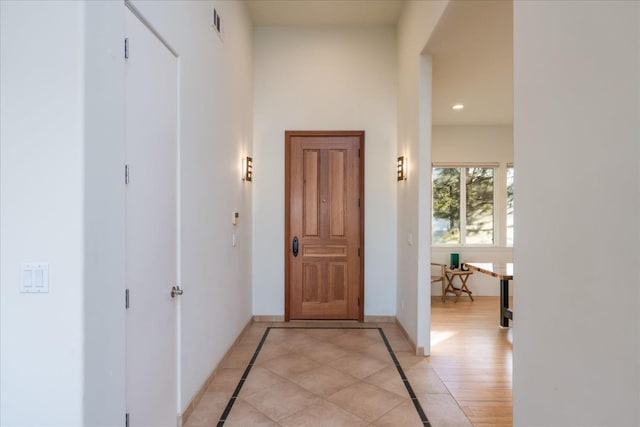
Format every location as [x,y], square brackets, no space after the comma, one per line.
[463,276]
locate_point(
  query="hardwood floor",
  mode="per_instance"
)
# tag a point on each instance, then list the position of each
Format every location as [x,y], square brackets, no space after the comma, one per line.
[473,357]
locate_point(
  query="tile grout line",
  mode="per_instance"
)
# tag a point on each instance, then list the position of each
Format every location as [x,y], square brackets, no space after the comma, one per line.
[405,381]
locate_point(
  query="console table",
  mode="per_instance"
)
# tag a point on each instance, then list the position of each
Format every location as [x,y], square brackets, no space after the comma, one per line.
[504,272]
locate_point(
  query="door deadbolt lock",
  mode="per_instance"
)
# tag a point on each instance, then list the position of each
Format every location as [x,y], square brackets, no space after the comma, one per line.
[176,291]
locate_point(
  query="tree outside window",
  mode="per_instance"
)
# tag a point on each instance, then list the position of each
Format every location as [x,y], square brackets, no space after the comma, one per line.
[446,206]
[463,206]
[510,206]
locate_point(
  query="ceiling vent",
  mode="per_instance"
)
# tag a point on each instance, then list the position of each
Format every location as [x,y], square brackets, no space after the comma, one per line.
[216,22]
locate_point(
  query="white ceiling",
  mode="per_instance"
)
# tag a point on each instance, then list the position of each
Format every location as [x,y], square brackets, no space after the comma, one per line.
[471,47]
[324,12]
[472,51]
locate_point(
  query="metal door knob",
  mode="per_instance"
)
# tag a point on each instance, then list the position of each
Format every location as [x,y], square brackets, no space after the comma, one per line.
[176,291]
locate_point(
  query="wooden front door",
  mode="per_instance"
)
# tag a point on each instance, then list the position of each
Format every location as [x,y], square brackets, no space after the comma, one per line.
[324,225]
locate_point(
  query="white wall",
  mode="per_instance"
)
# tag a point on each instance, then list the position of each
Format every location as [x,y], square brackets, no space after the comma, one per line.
[104,214]
[472,144]
[490,144]
[41,211]
[576,326]
[325,78]
[215,132]
[62,200]
[416,23]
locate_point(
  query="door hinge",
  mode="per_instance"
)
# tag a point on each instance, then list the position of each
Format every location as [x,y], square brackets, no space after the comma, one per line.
[126,174]
[358,152]
[358,202]
[358,251]
[126,420]
[126,48]
[126,301]
[358,301]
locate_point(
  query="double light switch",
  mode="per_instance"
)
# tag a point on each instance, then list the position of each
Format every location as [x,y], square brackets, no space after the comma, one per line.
[34,278]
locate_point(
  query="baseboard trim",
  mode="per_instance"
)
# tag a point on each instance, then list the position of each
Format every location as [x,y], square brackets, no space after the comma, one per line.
[203,388]
[380,319]
[268,318]
[419,351]
[367,319]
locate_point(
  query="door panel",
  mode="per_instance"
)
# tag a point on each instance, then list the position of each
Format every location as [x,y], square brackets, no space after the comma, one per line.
[311,176]
[151,227]
[337,281]
[324,280]
[337,194]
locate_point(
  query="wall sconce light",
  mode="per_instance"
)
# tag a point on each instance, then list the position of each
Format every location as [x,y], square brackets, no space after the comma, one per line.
[401,168]
[247,169]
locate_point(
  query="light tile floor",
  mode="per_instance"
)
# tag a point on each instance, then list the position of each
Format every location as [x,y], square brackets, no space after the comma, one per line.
[308,375]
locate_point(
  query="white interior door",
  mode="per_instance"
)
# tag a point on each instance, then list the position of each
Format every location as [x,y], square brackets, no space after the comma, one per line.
[151,227]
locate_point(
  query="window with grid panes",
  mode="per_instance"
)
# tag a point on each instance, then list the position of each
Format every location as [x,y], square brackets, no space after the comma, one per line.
[463,205]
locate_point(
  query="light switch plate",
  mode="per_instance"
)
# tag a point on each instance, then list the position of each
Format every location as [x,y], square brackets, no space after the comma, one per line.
[34,278]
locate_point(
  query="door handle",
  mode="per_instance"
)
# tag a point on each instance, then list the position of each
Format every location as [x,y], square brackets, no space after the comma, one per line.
[295,246]
[176,291]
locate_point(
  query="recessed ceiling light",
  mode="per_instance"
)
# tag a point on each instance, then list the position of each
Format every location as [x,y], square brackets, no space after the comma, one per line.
[458,107]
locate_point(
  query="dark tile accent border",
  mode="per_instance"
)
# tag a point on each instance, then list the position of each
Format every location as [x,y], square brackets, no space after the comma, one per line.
[405,380]
[245,374]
